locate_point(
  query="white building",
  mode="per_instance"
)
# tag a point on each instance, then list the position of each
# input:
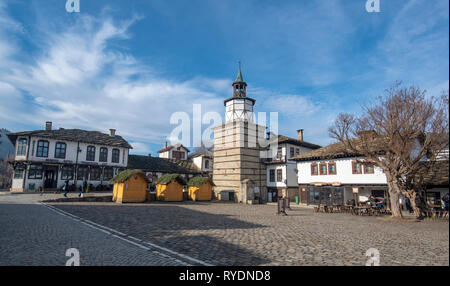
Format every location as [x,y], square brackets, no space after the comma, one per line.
[177,151]
[47,158]
[330,175]
[203,160]
[281,169]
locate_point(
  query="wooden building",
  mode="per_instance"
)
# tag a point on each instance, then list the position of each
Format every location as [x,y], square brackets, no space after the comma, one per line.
[200,189]
[130,186]
[169,188]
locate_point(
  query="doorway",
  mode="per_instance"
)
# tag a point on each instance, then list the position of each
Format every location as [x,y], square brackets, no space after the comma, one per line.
[50,179]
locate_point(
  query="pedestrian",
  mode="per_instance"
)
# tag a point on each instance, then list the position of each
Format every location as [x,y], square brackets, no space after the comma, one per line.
[66,188]
[408,205]
[446,199]
[400,201]
[83,188]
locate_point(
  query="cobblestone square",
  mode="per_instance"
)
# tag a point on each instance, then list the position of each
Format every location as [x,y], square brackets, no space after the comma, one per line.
[235,234]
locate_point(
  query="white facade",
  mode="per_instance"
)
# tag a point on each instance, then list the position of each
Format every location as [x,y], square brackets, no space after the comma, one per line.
[24,180]
[287,184]
[203,163]
[344,173]
[358,185]
[239,109]
[176,151]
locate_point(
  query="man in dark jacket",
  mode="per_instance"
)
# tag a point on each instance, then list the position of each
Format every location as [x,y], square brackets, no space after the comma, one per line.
[66,188]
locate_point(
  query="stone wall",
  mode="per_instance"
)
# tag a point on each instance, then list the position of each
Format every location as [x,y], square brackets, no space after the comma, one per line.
[237,156]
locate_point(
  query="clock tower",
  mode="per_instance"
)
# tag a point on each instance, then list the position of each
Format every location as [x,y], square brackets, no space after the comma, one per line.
[239,173]
[239,106]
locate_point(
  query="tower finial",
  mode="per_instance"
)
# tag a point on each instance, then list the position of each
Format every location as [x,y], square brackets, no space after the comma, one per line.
[239,76]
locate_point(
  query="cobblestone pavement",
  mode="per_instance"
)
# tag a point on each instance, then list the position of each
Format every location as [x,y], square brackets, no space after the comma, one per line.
[215,233]
[234,234]
[33,234]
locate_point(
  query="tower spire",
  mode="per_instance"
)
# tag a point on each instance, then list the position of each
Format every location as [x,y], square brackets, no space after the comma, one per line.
[239,75]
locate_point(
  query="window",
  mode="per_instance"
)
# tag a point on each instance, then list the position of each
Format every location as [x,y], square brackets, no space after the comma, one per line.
[332,168]
[94,174]
[108,174]
[18,173]
[356,168]
[291,151]
[323,168]
[60,150]
[103,154]
[279,175]
[115,155]
[35,172]
[21,147]
[42,149]
[67,173]
[90,154]
[82,173]
[297,151]
[272,175]
[206,164]
[178,154]
[279,153]
[368,169]
[314,169]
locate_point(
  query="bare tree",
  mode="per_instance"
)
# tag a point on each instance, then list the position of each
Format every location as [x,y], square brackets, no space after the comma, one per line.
[403,134]
[5,175]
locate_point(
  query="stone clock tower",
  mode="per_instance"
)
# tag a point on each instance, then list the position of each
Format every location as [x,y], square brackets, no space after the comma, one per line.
[238,171]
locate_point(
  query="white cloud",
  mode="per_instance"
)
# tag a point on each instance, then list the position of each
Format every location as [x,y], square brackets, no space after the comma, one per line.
[79,81]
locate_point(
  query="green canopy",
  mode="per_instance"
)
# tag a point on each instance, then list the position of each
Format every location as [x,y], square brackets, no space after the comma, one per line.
[168,178]
[198,181]
[125,175]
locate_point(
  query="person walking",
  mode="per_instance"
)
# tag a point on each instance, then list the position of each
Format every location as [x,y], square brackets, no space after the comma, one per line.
[83,188]
[66,188]
[446,199]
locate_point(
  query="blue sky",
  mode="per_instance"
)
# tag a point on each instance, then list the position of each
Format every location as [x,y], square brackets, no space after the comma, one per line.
[129,65]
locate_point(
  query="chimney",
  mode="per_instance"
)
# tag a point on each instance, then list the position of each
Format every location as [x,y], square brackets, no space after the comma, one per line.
[165,144]
[300,134]
[48,126]
[112,132]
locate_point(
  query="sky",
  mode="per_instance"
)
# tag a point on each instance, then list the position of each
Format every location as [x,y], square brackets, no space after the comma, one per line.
[130,65]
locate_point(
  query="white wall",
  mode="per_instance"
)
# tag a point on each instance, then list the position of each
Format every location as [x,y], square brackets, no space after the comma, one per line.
[71,152]
[344,174]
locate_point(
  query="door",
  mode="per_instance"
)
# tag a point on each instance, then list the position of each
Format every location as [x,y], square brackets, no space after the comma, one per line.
[303,195]
[49,179]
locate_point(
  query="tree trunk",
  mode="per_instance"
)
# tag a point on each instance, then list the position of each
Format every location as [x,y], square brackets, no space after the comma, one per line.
[394,193]
[412,198]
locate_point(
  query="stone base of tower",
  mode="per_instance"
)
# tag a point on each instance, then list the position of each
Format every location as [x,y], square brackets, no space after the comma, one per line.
[238,162]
